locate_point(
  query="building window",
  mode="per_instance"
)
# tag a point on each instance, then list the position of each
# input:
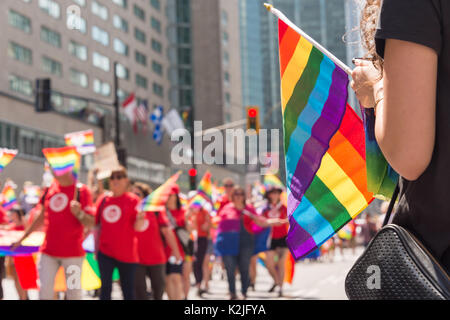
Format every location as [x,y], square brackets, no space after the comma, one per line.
[56,99]
[78,50]
[75,22]
[120,47]
[99,10]
[51,66]
[19,21]
[157,68]
[122,72]
[80,2]
[225,38]
[102,88]
[141,81]
[141,58]
[140,35]
[50,7]
[155,4]
[183,35]
[158,89]
[100,35]
[100,61]
[185,96]
[79,78]
[122,94]
[224,18]
[139,12]
[227,118]
[184,56]
[20,85]
[227,100]
[226,77]
[122,3]
[184,77]
[20,53]
[120,23]
[226,58]
[156,46]
[156,24]
[51,37]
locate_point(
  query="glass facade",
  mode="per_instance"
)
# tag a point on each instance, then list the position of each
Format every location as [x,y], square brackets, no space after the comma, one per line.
[19,21]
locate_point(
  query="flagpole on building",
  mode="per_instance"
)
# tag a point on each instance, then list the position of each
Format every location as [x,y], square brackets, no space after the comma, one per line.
[333,58]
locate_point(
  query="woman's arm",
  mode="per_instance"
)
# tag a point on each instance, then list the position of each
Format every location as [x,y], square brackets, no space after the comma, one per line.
[35,225]
[405,118]
[169,236]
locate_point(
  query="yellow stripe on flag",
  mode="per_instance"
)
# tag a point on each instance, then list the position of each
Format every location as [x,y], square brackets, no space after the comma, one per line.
[341,186]
[294,70]
[89,280]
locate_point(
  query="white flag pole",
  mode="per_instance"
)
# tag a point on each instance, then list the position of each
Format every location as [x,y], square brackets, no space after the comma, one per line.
[282,17]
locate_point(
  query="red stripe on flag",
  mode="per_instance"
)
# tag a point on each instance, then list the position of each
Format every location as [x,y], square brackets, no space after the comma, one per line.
[128,100]
[282,27]
[352,129]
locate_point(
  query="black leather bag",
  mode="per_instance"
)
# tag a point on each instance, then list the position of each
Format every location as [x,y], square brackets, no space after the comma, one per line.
[396,266]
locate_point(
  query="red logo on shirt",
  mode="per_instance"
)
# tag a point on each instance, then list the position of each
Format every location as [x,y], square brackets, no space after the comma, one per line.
[112,213]
[58,202]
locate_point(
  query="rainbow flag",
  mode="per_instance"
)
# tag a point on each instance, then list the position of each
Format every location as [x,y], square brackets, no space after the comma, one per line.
[381,178]
[63,160]
[8,197]
[323,143]
[217,193]
[32,194]
[289,269]
[204,192]
[82,140]
[30,245]
[6,156]
[156,201]
[271,180]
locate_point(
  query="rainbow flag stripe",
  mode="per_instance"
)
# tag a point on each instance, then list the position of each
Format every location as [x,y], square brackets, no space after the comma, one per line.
[204,192]
[6,156]
[381,178]
[8,197]
[271,180]
[156,201]
[82,140]
[63,160]
[324,145]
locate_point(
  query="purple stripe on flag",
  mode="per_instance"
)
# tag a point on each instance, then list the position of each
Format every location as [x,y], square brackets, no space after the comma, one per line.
[20,250]
[322,132]
[299,241]
[229,225]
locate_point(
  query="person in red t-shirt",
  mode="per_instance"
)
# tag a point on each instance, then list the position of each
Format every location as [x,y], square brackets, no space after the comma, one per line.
[202,224]
[66,209]
[151,251]
[276,210]
[17,218]
[119,219]
[228,184]
[176,288]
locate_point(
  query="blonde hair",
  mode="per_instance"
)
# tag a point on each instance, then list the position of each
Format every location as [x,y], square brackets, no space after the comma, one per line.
[368,27]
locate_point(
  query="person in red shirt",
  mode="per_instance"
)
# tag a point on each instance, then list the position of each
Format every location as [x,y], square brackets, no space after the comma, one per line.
[151,251]
[276,210]
[66,209]
[17,218]
[118,219]
[202,224]
[176,288]
[228,184]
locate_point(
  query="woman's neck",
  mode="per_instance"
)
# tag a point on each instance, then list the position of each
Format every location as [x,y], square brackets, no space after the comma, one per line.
[118,193]
[239,206]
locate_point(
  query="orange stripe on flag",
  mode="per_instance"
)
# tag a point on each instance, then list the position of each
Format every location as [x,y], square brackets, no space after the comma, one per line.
[287,48]
[341,150]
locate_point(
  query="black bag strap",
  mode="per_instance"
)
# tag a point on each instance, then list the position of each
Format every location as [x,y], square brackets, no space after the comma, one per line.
[391,205]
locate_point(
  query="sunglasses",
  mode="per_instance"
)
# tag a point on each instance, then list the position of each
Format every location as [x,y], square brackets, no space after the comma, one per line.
[117,177]
[229,185]
[239,194]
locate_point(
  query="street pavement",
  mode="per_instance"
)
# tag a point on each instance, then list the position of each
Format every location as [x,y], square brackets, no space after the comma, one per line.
[322,280]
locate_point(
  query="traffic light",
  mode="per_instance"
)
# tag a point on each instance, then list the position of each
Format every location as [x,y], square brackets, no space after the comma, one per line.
[192,178]
[43,95]
[253,118]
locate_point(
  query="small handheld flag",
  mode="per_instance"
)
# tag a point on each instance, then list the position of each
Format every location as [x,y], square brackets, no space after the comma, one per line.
[323,141]
[204,192]
[271,180]
[82,140]
[156,201]
[63,160]
[8,197]
[6,156]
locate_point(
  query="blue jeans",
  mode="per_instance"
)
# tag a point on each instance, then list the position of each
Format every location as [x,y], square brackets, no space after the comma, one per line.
[242,261]
[127,273]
